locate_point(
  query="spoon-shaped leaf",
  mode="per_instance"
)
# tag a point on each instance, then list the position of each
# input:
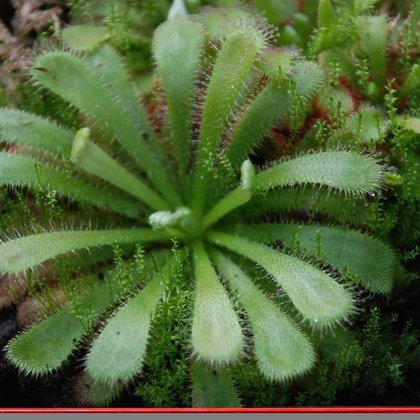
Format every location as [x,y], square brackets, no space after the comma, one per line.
[318,297]
[117,354]
[355,253]
[281,349]
[216,333]
[17,170]
[28,251]
[342,170]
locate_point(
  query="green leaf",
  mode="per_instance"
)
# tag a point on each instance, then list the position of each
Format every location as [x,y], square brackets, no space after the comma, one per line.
[115,78]
[317,296]
[178,44]
[272,105]
[221,22]
[326,14]
[76,82]
[343,170]
[276,63]
[369,260]
[18,127]
[338,207]
[276,11]
[22,253]
[95,161]
[373,33]
[17,170]
[289,36]
[216,333]
[369,126]
[117,354]
[236,199]
[281,349]
[91,393]
[333,169]
[410,83]
[231,69]
[84,37]
[308,77]
[265,110]
[212,388]
[409,123]
[336,100]
[47,345]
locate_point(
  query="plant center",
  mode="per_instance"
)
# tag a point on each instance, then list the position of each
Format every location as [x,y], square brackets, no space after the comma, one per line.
[182,223]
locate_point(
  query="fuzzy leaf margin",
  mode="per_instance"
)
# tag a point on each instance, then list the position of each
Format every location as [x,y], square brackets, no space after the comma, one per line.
[281,349]
[345,171]
[369,260]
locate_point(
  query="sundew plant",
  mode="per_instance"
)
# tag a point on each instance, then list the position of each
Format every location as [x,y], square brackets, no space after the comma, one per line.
[170,187]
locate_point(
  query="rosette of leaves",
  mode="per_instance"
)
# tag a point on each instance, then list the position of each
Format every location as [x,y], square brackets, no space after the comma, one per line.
[367,52]
[185,176]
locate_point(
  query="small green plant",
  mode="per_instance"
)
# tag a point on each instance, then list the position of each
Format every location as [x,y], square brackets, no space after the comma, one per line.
[366,53]
[176,198]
